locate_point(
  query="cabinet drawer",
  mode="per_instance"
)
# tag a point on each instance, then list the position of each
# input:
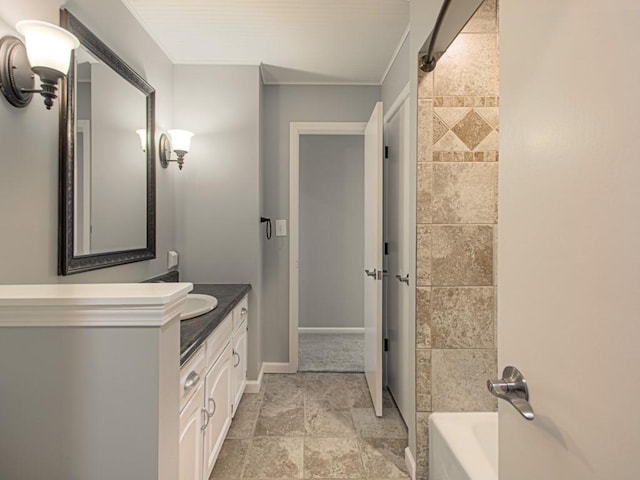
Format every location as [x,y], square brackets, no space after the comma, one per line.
[219,339]
[241,312]
[192,375]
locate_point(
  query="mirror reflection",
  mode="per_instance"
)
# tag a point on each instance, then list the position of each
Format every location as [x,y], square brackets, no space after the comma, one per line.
[110,203]
[107,171]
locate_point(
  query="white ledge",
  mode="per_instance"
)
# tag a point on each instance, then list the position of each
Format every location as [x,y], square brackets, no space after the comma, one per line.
[92,305]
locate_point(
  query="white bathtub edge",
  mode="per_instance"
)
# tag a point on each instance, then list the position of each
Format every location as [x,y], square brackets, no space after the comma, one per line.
[456,436]
[410,462]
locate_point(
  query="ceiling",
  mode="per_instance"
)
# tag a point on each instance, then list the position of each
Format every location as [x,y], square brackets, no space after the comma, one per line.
[295,41]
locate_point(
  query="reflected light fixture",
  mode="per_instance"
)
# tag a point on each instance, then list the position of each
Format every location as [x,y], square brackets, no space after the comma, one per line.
[142,133]
[46,51]
[179,142]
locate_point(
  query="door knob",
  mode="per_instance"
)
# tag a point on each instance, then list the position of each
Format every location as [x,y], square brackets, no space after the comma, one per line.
[512,387]
[402,279]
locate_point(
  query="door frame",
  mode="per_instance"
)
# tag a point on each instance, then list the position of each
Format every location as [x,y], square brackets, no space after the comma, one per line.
[296,129]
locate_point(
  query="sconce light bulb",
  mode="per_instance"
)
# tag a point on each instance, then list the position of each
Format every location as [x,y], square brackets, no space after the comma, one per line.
[48,46]
[180,140]
[142,133]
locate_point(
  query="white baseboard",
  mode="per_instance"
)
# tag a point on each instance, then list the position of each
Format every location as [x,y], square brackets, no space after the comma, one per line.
[410,462]
[276,367]
[254,386]
[331,330]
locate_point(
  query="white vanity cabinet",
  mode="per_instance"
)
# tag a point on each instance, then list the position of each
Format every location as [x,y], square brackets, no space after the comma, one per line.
[210,386]
[239,373]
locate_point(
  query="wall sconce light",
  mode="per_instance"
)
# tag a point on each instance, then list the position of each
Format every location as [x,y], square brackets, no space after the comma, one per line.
[180,143]
[142,133]
[47,54]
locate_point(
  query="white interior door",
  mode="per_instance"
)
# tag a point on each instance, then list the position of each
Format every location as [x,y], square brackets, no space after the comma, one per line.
[397,223]
[569,248]
[373,249]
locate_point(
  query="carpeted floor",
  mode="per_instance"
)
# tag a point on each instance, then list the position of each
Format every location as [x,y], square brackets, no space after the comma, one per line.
[328,352]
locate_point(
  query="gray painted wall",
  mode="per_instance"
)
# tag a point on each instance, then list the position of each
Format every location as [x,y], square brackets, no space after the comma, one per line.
[29,138]
[218,191]
[398,76]
[331,231]
[285,104]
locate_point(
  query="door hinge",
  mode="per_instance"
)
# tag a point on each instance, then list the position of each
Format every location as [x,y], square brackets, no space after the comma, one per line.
[386,248]
[386,152]
[386,344]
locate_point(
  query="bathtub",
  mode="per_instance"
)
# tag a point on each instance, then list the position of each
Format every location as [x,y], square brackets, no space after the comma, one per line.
[463,446]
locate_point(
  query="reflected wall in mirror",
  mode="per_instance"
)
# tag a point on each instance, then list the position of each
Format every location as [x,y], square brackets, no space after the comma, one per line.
[107,181]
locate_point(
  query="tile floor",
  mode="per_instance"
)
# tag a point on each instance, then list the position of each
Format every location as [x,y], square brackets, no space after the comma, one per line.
[313,425]
[331,352]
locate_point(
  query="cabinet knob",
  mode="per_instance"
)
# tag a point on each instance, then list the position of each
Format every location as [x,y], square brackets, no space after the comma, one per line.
[243,311]
[191,381]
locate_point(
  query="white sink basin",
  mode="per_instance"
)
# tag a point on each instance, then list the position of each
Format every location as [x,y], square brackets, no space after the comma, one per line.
[198,304]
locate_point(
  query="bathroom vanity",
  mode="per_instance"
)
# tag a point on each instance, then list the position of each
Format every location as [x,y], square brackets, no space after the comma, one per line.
[104,380]
[213,376]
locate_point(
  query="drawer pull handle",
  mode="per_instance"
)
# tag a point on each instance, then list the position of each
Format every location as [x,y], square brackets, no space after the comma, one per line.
[191,381]
[213,410]
[205,423]
[237,355]
[243,311]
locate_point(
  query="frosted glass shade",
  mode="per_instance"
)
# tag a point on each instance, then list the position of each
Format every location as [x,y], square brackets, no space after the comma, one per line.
[48,45]
[142,133]
[180,140]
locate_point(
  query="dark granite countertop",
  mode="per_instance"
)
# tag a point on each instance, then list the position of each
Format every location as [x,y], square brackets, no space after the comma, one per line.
[194,332]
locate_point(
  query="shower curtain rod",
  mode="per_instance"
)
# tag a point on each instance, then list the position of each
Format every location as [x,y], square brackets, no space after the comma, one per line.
[453,16]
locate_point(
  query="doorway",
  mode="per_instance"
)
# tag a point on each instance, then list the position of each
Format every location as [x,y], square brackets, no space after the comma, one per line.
[331,235]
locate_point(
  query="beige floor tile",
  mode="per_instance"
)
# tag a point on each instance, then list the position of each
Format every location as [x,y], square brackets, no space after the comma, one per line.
[275,458]
[244,421]
[231,460]
[383,457]
[326,422]
[280,421]
[390,425]
[332,458]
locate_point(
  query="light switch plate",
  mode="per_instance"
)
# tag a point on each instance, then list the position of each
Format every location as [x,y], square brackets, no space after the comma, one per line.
[281,228]
[172,259]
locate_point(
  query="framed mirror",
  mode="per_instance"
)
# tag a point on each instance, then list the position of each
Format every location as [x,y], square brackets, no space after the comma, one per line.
[107,159]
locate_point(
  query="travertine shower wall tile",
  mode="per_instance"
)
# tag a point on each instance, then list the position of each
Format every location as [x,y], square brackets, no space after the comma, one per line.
[423,207]
[423,380]
[423,317]
[459,380]
[462,317]
[422,445]
[461,255]
[423,256]
[465,192]
[485,20]
[425,130]
[425,84]
[470,67]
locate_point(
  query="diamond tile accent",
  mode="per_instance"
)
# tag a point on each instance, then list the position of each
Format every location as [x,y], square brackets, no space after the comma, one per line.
[472,129]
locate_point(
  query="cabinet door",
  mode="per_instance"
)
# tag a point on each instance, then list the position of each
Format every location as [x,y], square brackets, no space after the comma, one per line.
[239,365]
[218,404]
[192,418]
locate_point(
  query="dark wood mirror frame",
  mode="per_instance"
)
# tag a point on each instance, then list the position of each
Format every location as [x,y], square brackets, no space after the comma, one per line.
[68,262]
